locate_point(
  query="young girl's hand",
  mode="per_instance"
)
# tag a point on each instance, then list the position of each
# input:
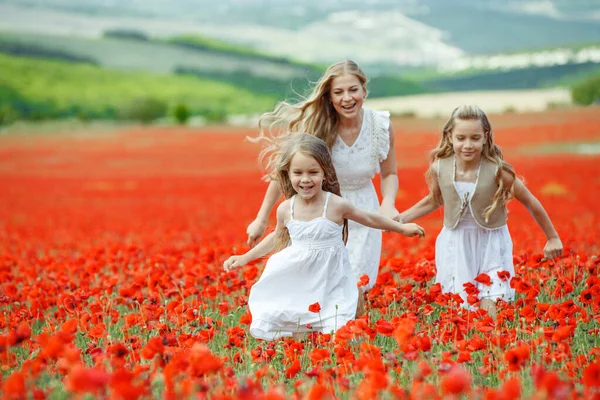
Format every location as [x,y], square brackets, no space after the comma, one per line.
[412,230]
[390,212]
[234,262]
[553,248]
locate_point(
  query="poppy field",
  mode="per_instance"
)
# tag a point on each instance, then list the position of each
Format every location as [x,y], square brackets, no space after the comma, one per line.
[112,286]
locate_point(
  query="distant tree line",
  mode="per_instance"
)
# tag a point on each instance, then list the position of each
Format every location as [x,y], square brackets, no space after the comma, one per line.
[123,33]
[29,50]
[587,91]
[526,78]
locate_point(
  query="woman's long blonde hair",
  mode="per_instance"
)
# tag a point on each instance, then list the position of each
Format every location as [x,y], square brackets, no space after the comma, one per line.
[311,146]
[315,114]
[491,152]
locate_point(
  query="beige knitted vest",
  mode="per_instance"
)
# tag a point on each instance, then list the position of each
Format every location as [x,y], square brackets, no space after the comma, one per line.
[485,189]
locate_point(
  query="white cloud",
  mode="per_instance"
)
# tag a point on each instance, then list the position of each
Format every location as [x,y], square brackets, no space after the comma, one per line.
[542,7]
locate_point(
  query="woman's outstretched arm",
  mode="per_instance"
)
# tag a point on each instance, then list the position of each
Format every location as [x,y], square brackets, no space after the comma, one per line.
[257,228]
[389,182]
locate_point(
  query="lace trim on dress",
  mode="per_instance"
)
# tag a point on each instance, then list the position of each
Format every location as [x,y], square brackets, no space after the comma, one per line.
[383,125]
[374,143]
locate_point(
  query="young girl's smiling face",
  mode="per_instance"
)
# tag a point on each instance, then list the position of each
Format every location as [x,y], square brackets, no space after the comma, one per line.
[467,139]
[347,95]
[306,175]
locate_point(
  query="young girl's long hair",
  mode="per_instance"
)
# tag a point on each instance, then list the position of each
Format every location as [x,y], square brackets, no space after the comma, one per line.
[311,146]
[491,152]
[315,114]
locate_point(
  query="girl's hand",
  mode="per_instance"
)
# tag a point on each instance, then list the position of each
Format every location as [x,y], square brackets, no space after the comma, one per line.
[255,231]
[412,230]
[390,212]
[553,248]
[233,262]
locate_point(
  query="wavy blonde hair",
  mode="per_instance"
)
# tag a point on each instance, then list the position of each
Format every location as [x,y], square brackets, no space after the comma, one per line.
[490,151]
[315,114]
[312,146]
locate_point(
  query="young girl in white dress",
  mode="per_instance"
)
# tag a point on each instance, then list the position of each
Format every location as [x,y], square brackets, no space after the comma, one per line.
[469,178]
[361,142]
[313,265]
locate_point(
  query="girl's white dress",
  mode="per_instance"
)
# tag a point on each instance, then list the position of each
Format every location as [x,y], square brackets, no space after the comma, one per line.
[355,167]
[314,268]
[466,251]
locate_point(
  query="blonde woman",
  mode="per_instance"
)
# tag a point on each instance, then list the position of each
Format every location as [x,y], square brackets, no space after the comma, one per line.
[361,142]
[469,178]
[308,285]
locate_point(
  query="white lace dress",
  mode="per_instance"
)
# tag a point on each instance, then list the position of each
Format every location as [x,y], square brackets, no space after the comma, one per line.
[466,251]
[356,166]
[314,268]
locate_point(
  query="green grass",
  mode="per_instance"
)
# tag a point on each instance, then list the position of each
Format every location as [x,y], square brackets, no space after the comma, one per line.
[66,89]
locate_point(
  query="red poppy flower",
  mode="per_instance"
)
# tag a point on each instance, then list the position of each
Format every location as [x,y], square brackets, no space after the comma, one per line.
[591,375]
[314,308]
[517,357]
[293,369]
[384,327]
[456,381]
[363,281]
[504,275]
[484,279]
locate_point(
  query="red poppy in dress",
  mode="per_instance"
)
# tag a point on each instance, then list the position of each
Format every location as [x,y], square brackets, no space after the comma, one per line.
[314,308]
[504,275]
[363,281]
[484,279]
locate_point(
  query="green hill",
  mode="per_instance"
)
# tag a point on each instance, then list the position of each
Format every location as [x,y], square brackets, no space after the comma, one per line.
[36,89]
[153,56]
[192,55]
[523,78]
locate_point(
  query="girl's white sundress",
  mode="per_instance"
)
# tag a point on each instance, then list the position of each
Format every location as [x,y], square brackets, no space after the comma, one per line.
[355,167]
[466,251]
[314,268]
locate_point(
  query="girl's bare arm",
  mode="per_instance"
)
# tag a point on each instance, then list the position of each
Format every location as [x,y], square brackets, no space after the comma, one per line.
[265,246]
[258,227]
[427,204]
[376,220]
[554,247]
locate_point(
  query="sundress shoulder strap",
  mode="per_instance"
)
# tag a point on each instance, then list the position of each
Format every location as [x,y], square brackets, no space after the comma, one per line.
[325,206]
[292,207]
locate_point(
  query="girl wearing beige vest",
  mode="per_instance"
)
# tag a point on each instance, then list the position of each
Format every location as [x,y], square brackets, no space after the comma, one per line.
[468,177]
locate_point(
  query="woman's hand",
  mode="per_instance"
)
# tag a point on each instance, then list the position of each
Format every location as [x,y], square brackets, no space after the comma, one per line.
[234,262]
[255,231]
[553,248]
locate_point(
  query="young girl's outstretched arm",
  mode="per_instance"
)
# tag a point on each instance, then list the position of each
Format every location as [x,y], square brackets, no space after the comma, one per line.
[257,227]
[264,247]
[375,220]
[427,204]
[423,207]
[554,247]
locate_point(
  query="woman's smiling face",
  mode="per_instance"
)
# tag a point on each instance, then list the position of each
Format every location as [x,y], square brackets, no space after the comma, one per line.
[347,95]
